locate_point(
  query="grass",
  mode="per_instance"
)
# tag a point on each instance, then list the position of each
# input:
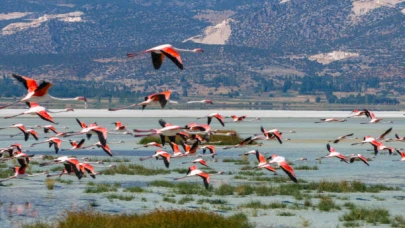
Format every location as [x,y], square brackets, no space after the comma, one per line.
[370,215]
[134,169]
[157,218]
[162,183]
[346,186]
[103,187]
[50,183]
[243,161]
[285,213]
[134,189]
[183,188]
[306,167]
[111,197]
[169,200]
[212,201]
[259,205]
[185,199]
[327,204]
[64,181]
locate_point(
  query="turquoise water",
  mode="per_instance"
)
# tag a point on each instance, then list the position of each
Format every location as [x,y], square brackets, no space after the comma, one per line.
[28,199]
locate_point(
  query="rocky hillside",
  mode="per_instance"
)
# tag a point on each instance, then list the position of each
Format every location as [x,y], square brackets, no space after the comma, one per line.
[248,47]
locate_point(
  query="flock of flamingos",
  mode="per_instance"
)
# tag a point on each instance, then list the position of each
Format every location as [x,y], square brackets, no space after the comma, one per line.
[194,136]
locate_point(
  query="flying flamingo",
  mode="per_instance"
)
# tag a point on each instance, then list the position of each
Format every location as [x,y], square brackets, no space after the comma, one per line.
[402,155]
[357,112]
[272,133]
[150,144]
[86,167]
[19,172]
[262,161]
[162,154]
[211,149]
[55,141]
[284,166]
[159,52]
[189,150]
[42,112]
[214,115]
[198,160]
[101,132]
[338,139]
[244,142]
[353,157]
[333,153]
[26,132]
[168,130]
[331,120]
[176,150]
[369,139]
[38,93]
[398,138]
[193,171]
[75,145]
[372,117]
[158,98]
[105,148]
[71,166]
[202,101]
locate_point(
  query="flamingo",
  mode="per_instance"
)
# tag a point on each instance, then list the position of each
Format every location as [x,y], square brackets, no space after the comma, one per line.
[272,133]
[398,138]
[168,130]
[55,141]
[284,166]
[214,115]
[150,144]
[189,150]
[402,155]
[161,98]
[372,117]
[380,146]
[176,150]
[331,120]
[86,167]
[338,139]
[198,160]
[159,52]
[369,139]
[333,153]
[72,165]
[38,93]
[26,132]
[160,153]
[105,147]
[353,157]
[75,145]
[193,171]
[42,112]
[211,149]
[262,161]
[238,118]
[19,171]
[101,132]
[357,112]
[202,101]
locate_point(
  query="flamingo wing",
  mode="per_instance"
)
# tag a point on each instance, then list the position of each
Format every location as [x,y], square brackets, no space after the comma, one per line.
[83,125]
[80,144]
[107,149]
[42,89]
[173,56]
[29,84]
[341,157]
[157,60]
[45,116]
[166,159]
[363,159]
[162,100]
[102,135]
[206,179]
[289,171]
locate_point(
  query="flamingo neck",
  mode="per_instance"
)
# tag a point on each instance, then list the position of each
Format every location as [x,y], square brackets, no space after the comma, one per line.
[183,50]
[62,99]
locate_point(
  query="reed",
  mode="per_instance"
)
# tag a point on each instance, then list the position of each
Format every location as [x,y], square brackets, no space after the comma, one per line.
[369,215]
[327,204]
[185,199]
[224,190]
[185,188]
[112,197]
[259,205]
[158,218]
[347,186]
[134,169]
[50,183]
[134,189]
[169,200]
[162,183]
[103,187]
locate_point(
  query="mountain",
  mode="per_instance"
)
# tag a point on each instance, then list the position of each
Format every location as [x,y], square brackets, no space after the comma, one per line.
[250,48]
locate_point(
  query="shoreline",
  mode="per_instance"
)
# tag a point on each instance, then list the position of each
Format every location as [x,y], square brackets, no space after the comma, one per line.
[171,113]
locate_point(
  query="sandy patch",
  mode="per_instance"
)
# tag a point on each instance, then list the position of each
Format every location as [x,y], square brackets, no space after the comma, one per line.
[326,58]
[284,1]
[217,34]
[362,7]
[21,26]
[13,15]
[214,17]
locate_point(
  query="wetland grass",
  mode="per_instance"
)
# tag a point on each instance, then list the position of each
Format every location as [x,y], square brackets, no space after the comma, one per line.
[134,169]
[112,197]
[285,213]
[306,167]
[134,189]
[369,215]
[327,204]
[64,181]
[49,183]
[157,218]
[212,201]
[185,199]
[259,205]
[103,187]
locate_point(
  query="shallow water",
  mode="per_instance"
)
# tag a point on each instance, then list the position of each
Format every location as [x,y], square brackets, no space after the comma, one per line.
[27,200]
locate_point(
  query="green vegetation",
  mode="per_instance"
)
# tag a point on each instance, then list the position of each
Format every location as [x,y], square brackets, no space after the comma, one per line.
[134,169]
[103,187]
[374,215]
[212,201]
[327,204]
[50,183]
[285,213]
[260,205]
[64,181]
[120,197]
[306,167]
[134,189]
[185,199]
